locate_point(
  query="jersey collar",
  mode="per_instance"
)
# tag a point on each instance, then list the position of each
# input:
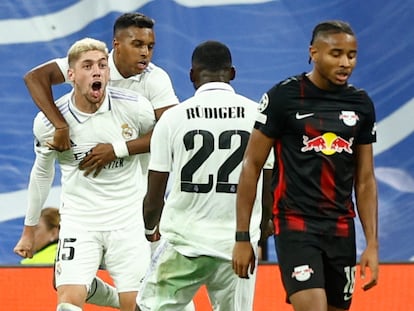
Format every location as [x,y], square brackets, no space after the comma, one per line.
[82,117]
[211,86]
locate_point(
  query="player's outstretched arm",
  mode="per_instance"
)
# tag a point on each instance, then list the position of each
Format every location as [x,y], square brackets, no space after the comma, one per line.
[39,81]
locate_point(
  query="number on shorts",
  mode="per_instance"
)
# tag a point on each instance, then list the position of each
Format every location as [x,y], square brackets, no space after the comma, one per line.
[206,149]
[350,276]
[65,250]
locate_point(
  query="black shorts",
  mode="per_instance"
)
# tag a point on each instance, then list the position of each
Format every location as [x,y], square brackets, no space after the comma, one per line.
[318,261]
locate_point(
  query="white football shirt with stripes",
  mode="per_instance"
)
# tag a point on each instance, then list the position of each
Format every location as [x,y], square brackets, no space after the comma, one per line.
[153,83]
[113,199]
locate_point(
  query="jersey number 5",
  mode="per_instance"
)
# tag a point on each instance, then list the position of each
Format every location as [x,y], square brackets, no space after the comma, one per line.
[65,250]
[202,154]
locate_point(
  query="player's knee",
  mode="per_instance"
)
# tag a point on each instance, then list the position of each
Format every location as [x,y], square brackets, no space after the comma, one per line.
[64,306]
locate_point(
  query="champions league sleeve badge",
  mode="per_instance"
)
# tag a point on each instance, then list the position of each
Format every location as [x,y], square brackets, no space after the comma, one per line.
[263,103]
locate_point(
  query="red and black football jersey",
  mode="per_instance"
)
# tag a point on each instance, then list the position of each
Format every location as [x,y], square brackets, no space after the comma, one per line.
[315,134]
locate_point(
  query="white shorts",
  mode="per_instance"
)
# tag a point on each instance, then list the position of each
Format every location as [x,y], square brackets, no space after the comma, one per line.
[126,254]
[173,280]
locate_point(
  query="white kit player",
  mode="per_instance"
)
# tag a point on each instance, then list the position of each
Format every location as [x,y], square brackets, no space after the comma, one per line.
[130,68]
[201,141]
[101,218]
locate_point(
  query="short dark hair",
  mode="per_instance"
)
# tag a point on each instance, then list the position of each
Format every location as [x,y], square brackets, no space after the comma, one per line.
[331,27]
[133,19]
[212,55]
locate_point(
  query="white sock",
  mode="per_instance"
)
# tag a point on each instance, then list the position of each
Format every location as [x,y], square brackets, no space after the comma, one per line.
[64,306]
[102,294]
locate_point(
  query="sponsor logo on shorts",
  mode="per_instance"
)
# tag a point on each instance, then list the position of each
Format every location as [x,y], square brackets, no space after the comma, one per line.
[347,297]
[302,273]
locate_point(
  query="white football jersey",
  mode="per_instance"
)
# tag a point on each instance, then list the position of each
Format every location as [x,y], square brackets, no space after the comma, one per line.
[111,200]
[202,142]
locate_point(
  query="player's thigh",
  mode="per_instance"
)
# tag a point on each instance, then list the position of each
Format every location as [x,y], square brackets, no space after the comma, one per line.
[300,258]
[127,257]
[171,281]
[78,256]
[221,285]
[340,270]
[227,291]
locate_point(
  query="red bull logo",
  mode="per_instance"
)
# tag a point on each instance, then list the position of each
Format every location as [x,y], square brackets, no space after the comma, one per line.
[328,143]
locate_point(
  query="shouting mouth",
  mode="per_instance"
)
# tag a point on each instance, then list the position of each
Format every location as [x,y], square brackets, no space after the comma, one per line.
[96,89]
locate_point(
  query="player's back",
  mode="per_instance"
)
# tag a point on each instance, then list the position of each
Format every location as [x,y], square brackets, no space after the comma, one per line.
[207,135]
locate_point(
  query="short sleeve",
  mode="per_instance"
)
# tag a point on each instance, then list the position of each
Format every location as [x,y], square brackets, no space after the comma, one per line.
[63,66]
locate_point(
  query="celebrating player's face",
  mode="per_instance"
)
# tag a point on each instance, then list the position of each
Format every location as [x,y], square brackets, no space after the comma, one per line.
[90,75]
[134,47]
[334,57]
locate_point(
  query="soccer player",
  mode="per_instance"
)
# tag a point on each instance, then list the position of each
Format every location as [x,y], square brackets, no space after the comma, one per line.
[322,129]
[100,216]
[131,68]
[201,141]
[42,251]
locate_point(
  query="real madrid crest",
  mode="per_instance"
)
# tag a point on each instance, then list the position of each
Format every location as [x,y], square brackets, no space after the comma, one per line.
[127,131]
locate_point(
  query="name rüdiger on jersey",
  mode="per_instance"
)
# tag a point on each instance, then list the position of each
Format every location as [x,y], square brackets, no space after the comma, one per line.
[215,112]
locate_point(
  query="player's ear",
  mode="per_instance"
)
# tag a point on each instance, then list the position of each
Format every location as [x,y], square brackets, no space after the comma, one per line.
[232,73]
[192,78]
[115,43]
[71,75]
[313,51]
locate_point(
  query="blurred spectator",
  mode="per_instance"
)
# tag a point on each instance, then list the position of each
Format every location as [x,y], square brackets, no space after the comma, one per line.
[46,238]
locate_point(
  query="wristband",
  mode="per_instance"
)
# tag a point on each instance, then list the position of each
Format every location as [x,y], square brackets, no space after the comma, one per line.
[120,149]
[150,231]
[242,236]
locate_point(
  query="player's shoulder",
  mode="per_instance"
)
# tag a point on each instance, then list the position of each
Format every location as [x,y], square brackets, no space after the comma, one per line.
[245,100]
[289,82]
[284,88]
[355,95]
[62,103]
[154,70]
[129,101]
[356,90]
[123,94]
